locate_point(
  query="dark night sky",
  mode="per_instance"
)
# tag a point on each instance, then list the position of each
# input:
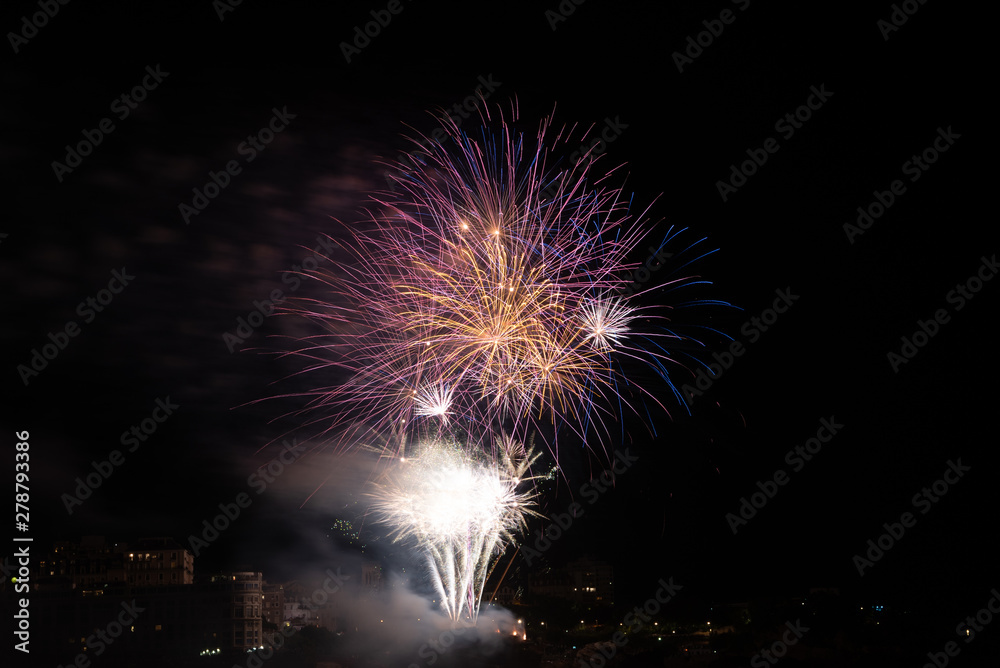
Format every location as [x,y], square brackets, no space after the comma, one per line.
[783,229]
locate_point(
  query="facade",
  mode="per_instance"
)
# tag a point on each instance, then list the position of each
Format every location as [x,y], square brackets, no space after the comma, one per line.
[592,581]
[221,614]
[585,581]
[371,576]
[149,582]
[93,563]
[246,600]
[273,604]
[158,561]
[313,604]
[506,595]
[90,563]
[550,582]
[297,613]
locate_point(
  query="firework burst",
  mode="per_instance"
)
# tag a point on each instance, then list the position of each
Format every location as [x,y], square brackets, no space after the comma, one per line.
[490,291]
[461,507]
[433,400]
[484,291]
[605,322]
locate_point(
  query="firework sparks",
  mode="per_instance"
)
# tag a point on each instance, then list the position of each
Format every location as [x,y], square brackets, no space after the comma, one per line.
[481,290]
[489,291]
[461,507]
[606,322]
[433,401]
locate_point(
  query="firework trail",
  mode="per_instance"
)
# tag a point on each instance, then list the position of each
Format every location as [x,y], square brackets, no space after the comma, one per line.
[461,506]
[487,289]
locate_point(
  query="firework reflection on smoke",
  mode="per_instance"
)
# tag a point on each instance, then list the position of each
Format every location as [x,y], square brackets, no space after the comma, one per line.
[461,506]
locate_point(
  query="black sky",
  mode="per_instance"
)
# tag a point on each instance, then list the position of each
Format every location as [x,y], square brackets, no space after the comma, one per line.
[783,230]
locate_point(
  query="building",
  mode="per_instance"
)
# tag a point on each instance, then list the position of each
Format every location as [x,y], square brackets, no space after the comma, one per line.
[158,561]
[550,582]
[272,609]
[220,614]
[506,595]
[585,581]
[728,616]
[303,608]
[93,563]
[593,582]
[246,602]
[371,576]
[77,584]
[298,612]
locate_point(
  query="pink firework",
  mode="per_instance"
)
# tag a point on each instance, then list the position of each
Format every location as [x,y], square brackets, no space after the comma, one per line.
[486,290]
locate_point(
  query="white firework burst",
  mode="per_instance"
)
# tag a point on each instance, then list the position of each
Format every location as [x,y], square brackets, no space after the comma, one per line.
[461,508]
[606,321]
[434,401]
